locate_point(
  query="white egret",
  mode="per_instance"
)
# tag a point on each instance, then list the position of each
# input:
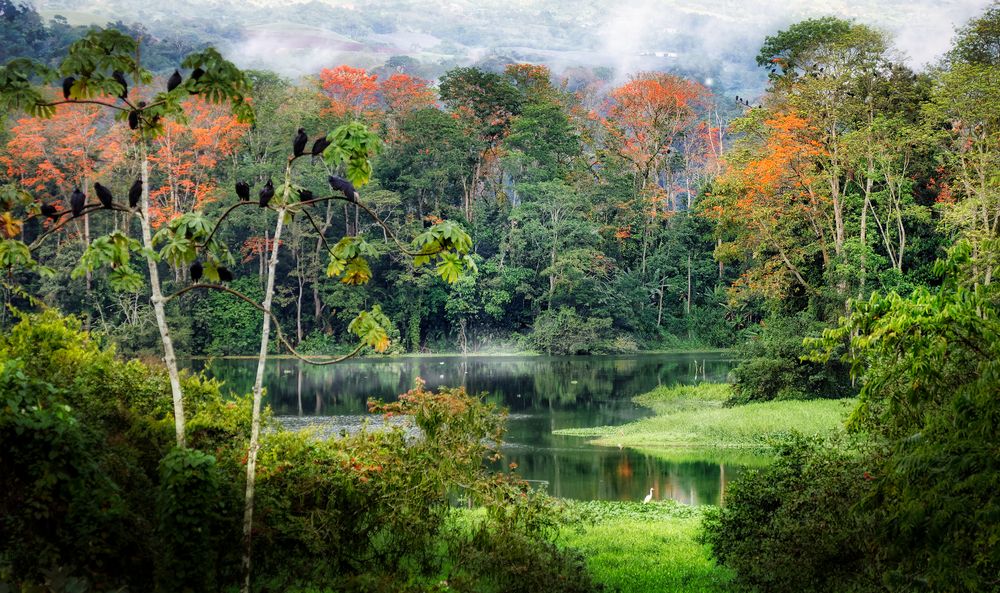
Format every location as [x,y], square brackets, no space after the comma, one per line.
[649,496]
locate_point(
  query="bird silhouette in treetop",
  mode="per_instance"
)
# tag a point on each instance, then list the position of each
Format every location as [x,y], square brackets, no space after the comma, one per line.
[119,77]
[133,119]
[196,74]
[174,81]
[196,271]
[266,193]
[48,210]
[243,191]
[134,193]
[67,85]
[342,185]
[225,275]
[104,195]
[299,143]
[305,195]
[320,145]
[77,201]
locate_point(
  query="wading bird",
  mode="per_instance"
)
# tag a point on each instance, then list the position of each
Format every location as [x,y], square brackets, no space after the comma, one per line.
[649,496]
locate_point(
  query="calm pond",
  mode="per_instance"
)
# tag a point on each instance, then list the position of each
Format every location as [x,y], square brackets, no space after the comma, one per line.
[542,394]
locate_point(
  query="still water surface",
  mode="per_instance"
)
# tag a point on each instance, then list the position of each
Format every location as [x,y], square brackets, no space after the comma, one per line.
[542,394]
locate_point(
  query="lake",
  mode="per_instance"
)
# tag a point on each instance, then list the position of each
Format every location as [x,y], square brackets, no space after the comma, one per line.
[542,394]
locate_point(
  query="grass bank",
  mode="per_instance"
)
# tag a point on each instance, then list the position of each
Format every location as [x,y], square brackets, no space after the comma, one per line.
[640,548]
[693,417]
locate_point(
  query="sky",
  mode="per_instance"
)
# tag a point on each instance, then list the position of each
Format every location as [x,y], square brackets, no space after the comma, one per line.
[717,37]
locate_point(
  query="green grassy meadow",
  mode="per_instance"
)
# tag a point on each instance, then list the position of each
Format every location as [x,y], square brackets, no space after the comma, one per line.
[644,548]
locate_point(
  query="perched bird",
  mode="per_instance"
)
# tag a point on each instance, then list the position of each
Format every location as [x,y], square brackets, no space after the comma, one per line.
[299,143]
[343,185]
[174,81]
[320,145]
[305,195]
[243,191]
[649,496]
[225,275]
[197,73]
[266,193]
[67,86]
[133,119]
[119,77]
[196,271]
[104,195]
[134,193]
[77,201]
[49,210]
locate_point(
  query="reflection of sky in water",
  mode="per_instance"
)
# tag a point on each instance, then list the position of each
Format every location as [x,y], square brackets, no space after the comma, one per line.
[542,394]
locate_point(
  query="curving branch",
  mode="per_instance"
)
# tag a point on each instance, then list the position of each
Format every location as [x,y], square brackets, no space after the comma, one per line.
[385,226]
[222,218]
[85,102]
[277,326]
[62,223]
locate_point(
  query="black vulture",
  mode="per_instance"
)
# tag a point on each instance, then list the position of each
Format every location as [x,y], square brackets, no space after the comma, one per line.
[243,191]
[119,77]
[77,201]
[133,119]
[305,195]
[104,195]
[49,210]
[196,74]
[67,86]
[134,193]
[174,81]
[225,275]
[196,271]
[266,193]
[320,145]
[343,185]
[299,143]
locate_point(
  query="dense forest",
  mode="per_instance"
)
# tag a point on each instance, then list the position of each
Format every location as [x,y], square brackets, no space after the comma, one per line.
[838,232]
[645,215]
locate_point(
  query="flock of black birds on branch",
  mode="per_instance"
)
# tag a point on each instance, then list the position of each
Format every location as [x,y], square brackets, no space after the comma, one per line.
[78,200]
[744,103]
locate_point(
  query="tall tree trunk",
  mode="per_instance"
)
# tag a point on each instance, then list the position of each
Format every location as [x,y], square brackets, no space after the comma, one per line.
[258,389]
[169,359]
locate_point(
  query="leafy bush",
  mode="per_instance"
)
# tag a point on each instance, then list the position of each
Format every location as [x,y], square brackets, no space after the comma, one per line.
[932,374]
[791,527]
[565,332]
[772,368]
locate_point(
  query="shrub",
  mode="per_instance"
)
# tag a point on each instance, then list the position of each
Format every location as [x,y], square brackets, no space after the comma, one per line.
[772,368]
[565,332]
[791,527]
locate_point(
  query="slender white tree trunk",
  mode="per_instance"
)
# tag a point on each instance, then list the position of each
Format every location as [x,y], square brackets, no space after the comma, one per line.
[258,388]
[169,359]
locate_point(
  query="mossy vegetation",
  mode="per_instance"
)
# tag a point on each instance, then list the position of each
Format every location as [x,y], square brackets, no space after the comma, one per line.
[695,417]
[640,548]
